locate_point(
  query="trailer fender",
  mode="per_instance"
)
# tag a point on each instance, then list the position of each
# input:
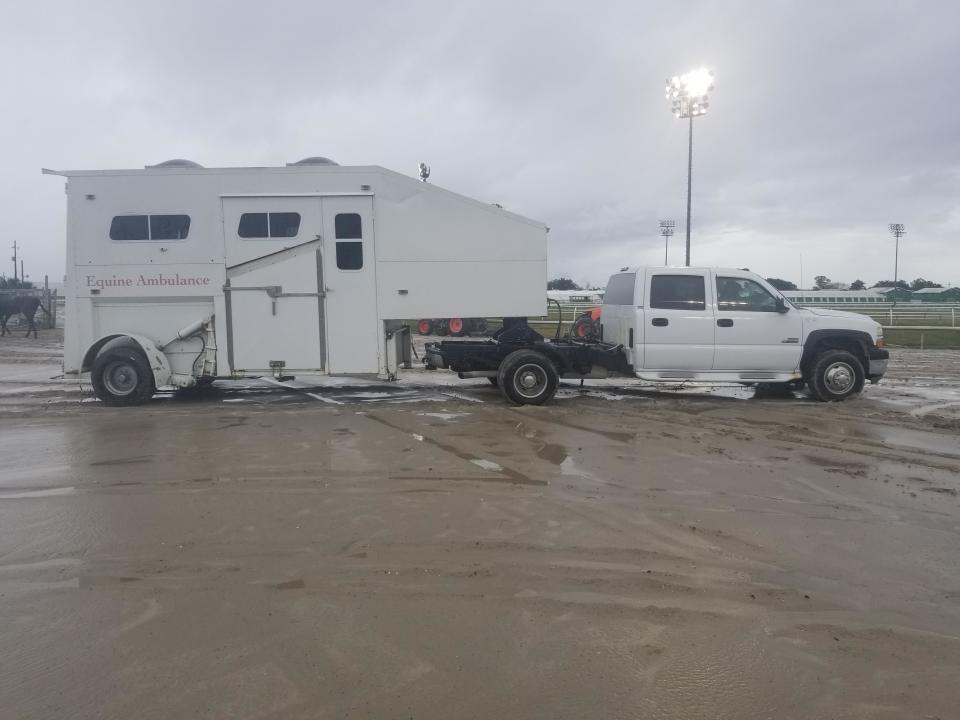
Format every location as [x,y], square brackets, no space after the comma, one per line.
[162,374]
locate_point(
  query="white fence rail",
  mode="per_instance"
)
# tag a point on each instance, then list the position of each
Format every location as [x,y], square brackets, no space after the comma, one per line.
[901,314]
[904,315]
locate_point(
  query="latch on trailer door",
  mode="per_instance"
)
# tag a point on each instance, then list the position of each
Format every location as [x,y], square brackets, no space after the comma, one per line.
[273,292]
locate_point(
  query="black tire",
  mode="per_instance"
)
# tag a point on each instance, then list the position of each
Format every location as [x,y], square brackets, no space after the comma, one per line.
[835,375]
[122,376]
[526,377]
[584,329]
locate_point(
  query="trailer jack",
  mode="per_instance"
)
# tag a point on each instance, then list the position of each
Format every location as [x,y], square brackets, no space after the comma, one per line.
[277,366]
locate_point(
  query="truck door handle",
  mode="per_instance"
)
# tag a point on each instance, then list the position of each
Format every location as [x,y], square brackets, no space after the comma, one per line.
[725,322]
[660,322]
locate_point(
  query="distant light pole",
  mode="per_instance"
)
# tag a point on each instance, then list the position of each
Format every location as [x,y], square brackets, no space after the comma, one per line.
[666,229]
[898,231]
[688,95]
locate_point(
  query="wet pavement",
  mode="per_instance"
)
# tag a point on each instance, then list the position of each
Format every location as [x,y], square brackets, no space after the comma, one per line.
[420,549]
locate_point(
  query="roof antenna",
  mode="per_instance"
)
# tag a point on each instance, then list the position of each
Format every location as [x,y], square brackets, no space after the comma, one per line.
[424,172]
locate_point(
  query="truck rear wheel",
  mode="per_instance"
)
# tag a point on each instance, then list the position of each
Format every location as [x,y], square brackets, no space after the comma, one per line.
[122,376]
[835,375]
[527,377]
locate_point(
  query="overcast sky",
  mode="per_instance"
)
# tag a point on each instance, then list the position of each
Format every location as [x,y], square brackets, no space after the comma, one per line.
[829,120]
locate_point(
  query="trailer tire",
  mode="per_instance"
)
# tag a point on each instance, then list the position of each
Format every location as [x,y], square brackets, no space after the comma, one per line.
[122,376]
[527,377]
[835,375]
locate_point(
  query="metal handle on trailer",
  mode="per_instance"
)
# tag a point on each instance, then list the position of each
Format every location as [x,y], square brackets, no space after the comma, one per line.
[273,292]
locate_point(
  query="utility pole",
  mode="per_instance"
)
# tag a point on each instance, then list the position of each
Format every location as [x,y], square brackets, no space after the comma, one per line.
[15,278]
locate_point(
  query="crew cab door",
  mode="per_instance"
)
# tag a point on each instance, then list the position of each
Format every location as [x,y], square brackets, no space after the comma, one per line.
[751,333]
[678,333]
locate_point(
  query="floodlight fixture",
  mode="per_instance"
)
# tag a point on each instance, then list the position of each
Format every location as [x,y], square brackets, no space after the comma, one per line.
[666,229]
[898,231]
[689,98]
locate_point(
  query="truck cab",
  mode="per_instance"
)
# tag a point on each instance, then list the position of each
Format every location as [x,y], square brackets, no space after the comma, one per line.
[726,325]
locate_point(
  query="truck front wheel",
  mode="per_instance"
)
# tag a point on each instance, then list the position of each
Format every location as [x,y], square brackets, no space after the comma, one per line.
[122,376]
[526,377]
[835,375]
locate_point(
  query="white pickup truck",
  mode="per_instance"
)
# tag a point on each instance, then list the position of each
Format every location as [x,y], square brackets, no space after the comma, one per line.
[682,325]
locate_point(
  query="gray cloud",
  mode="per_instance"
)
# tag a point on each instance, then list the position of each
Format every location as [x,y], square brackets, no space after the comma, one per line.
[829,119]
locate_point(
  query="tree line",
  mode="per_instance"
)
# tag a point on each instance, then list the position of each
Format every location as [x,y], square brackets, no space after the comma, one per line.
[822,282]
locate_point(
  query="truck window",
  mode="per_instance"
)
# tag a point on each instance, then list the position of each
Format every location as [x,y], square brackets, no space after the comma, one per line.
[269,225]
[620,289]
[743,294]
[348,229]
[678,292]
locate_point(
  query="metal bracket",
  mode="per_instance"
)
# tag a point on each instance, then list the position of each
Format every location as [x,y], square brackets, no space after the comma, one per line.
[272,291]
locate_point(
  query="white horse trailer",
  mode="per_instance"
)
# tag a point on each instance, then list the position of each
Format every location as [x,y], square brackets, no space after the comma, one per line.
[179,274]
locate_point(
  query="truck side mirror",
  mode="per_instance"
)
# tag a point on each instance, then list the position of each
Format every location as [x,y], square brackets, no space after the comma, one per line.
[781,306]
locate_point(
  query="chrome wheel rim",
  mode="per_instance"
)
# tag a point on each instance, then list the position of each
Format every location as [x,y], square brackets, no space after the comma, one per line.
[120,378]
[530,380]
[839,378]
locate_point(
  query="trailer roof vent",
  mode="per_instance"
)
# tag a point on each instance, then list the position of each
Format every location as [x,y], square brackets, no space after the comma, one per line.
[176,163]
[315,160]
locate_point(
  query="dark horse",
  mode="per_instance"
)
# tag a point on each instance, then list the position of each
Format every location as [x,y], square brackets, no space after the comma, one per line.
[25,305]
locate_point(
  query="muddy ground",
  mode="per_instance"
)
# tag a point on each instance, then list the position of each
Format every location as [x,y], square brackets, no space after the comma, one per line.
[423,550]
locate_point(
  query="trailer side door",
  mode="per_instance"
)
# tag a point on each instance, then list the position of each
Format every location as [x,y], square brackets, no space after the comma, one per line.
[273,294]
[352,326]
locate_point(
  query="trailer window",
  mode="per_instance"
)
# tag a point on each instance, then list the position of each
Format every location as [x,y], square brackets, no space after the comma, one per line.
[350,255]
[284,225]
[348,226]
[169,227]
[129,227]
[678,292]
[269,225]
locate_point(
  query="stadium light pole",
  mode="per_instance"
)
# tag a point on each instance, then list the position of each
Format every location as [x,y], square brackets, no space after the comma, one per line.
[898,231]
[666,229]
[688,94]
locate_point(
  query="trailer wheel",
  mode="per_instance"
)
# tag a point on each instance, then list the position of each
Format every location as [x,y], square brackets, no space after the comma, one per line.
[527,378]
[457,327]
[122,376]
[425,327]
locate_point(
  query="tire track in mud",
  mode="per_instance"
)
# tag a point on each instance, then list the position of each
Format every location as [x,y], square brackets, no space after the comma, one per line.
[506,474]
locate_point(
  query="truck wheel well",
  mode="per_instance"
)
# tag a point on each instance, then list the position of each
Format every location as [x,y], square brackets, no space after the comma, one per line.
[851,344]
